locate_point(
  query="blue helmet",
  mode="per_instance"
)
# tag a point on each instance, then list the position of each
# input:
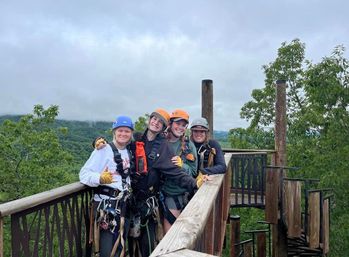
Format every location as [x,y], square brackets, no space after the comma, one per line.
[123,121]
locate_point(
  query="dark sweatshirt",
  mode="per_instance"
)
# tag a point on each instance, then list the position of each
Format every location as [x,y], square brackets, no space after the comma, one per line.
[161,168]
[219,166]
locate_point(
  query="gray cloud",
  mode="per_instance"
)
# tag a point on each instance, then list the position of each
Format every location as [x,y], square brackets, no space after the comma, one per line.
[99,60]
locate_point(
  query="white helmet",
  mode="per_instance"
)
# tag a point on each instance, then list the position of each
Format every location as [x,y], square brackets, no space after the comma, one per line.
[200,122]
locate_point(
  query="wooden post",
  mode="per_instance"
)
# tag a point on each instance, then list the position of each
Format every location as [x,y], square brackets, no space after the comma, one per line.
[314,220]
[280,123]
[279,233]
[234,235]
[207,102]
[271,199]
[261,244]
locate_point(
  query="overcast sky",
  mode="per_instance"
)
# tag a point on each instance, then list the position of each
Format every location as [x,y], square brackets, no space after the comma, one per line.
[100,59]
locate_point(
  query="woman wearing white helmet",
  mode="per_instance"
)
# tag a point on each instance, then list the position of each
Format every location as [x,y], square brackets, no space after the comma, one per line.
[210,154]
[107,171]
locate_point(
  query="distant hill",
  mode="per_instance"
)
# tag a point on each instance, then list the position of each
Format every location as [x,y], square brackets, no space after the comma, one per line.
[81,134]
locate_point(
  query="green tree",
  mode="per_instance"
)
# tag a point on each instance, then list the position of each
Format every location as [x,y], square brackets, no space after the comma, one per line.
[31,157]
[142,123]
[317,120]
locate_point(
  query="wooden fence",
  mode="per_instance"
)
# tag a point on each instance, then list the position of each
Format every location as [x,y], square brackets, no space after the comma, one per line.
[199,230]
[55,222]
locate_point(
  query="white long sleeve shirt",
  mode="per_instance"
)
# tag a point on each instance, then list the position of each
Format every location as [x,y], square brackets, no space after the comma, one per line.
[100,160]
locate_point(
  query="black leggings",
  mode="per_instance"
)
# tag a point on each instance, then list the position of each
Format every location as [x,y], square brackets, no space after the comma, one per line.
[145,243]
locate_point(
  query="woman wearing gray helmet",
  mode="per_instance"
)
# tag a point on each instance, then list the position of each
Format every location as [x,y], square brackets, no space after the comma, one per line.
[210,154]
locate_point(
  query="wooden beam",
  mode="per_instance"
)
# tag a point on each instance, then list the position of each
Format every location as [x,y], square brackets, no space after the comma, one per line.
[314,220]
[326,226]
[292,208]
[261,244]
[207,102]
[40,198]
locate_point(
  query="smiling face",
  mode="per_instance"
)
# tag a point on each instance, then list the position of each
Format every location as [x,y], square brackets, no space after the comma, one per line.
[122,135]
[199,134]
[178,128]
[155,124]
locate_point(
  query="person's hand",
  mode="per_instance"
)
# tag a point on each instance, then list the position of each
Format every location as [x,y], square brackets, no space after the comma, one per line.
[201,178]
[99,143]
[106,177]
[176,160]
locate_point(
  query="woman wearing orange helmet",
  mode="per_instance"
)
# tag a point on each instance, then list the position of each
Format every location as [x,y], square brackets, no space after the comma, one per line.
[174,197]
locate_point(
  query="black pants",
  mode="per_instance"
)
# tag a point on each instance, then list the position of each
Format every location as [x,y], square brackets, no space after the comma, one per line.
[145,243]
[107,238]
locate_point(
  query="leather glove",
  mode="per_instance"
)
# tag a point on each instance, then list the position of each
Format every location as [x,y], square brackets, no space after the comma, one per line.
[106,177]
[201,178]
[176,160]
[99,143]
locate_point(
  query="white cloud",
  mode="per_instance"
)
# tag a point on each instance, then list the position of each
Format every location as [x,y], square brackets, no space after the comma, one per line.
[98,60]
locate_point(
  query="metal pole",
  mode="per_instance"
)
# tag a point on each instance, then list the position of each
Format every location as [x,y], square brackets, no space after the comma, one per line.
[207,102]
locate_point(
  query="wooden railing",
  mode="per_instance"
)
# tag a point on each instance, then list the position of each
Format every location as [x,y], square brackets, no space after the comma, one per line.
[52,223]
[199,230]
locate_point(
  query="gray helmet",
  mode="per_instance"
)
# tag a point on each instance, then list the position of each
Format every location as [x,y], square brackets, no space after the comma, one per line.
[200,122]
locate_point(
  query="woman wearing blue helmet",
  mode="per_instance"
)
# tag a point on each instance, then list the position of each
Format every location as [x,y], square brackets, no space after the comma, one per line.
[108,170]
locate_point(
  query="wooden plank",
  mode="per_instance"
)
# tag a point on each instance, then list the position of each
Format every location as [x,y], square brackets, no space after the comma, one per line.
[209,237]
[190,224]
[314,219]
[218,222]
[207,102]
[187,253]
[234,235]
[292,208]
[248,250]
[271,196]
[40,198]
[261,244]
[326,226]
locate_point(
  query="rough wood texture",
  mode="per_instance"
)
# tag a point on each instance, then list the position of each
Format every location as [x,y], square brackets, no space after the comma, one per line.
[234,235]
[189,226]
[187,253]
[314,219]
[248,250]
[209,236]
[292,208]
[326,226]
[207,102]
[261,244]
[271,196]
[280,123]
[34,200]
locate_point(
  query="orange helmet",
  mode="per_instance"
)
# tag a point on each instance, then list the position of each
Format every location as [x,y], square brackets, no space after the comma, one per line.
[162,115]
[179,114]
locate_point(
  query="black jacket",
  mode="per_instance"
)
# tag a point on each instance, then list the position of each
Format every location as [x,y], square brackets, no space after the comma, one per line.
[160,168]
[219,166]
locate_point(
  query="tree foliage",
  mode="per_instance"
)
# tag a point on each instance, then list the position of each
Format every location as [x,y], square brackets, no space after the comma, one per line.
[142,123]
[31,157]
[317,123]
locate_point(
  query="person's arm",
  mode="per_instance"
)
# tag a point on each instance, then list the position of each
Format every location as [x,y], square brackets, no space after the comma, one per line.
[219,166]
[171,171]
[91,171]
[191,166]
